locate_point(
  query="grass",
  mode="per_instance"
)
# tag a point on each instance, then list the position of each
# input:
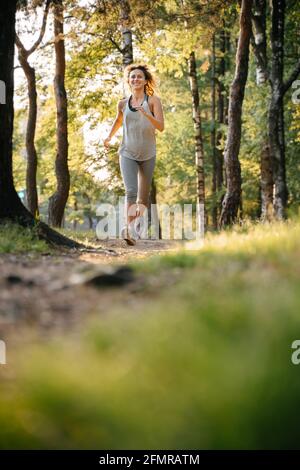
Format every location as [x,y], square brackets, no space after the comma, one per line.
[16,239]
[204,364]
[87,237]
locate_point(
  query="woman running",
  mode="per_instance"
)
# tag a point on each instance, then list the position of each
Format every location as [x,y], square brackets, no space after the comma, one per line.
[141,114]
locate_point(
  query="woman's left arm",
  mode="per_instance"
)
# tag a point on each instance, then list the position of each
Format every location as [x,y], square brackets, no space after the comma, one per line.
[158,119]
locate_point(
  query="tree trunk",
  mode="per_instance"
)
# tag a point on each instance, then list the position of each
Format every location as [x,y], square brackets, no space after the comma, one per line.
[89,217]
[127,49]
[199,153]
[276,111]
[213,136]
[75,210]
[276,130]
[227,66]
[153,211]
[31,183]
[11,206]
[221,109]
[260,50]
[57,202]
[232,197]
[278,154]
[260,38]
[221,95]
[31,168]
[266,184]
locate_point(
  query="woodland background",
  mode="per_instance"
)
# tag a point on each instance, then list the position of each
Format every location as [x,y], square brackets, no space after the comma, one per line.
[191,46]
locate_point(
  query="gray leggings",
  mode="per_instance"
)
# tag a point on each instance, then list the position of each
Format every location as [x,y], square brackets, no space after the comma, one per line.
[137,177]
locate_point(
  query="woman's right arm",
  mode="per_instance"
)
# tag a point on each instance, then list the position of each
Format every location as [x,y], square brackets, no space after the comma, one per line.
[116,124]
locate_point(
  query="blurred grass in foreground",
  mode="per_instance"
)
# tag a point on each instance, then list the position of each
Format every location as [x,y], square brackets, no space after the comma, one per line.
[205,363]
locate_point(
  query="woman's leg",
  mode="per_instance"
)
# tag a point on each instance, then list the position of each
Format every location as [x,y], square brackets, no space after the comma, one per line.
[145,174]
[129,171]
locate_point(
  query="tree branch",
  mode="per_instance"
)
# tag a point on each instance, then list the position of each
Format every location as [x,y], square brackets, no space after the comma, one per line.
[49,43]
[20,46]
[43,28]
[115,44]
[286,85]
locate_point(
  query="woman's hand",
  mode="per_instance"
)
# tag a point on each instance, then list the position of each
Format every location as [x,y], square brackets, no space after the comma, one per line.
[106,142]
[157,119]
[140,108]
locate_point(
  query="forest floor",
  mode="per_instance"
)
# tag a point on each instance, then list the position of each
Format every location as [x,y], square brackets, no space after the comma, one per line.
[37,289]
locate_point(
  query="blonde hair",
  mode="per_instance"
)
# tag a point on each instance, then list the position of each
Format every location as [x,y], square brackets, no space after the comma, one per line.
[151,81]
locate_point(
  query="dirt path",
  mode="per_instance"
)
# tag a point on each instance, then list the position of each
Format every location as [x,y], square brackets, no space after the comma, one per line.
[124,253]
[36,290]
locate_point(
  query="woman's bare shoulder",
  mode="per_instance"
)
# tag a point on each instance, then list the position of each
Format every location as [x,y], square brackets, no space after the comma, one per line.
[121,103]
[154,99]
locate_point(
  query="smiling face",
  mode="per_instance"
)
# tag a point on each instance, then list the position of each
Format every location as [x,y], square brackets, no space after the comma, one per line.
[137,79]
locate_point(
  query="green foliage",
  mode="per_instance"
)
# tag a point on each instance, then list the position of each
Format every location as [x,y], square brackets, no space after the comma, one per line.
[175,163]
[292,118]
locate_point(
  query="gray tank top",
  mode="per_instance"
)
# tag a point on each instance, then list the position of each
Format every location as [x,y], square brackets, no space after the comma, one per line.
[138,133]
